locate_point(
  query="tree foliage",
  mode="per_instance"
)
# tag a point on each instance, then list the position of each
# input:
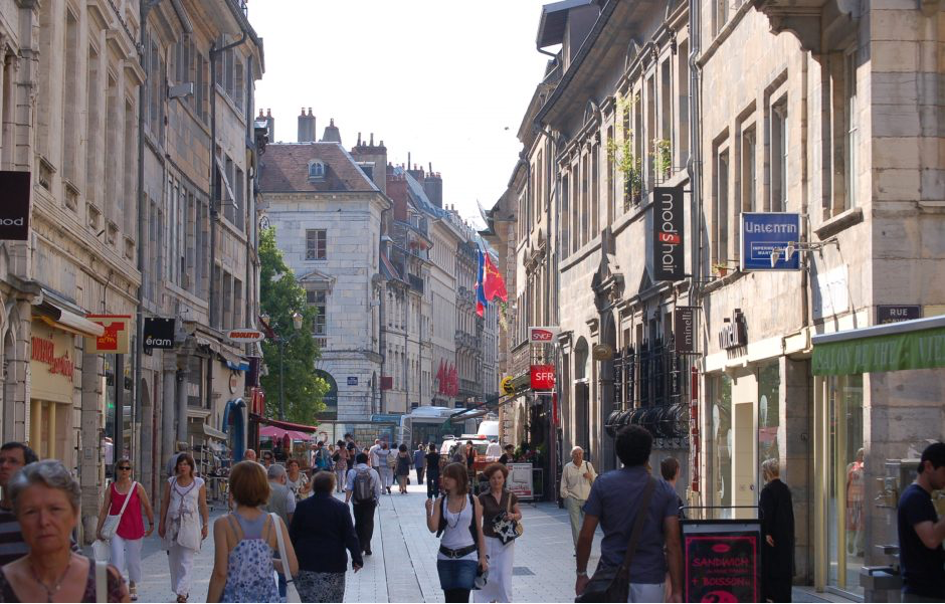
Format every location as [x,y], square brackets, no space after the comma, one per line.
[280,297]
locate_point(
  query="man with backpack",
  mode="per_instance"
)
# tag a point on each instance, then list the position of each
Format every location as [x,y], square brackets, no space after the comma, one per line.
[363,490]
[322,461]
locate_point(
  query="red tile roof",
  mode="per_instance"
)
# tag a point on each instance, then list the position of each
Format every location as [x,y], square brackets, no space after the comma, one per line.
[284,169]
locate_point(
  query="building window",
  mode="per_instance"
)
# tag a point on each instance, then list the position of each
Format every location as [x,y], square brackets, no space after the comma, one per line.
[316,170]
[318,299]
[721,206]
[850,127]
[719,15]
[316,244]
[779,150]
[565,216]
[749,173]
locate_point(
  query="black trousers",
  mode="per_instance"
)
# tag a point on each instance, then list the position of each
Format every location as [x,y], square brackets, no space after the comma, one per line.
[364,523]
[433,486]
[420,475]
[777,589]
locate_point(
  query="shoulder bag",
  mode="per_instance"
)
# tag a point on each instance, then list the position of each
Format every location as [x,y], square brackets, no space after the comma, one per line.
[507,530]
[291,592]
[611,584]
[111,522]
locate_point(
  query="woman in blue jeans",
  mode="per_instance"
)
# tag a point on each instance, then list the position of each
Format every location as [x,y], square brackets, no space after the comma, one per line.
[457,519]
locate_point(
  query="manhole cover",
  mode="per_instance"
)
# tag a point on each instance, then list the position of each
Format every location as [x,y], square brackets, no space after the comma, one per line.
[522,571]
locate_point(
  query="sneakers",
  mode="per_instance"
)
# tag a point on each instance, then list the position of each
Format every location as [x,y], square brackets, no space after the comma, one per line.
[133,592]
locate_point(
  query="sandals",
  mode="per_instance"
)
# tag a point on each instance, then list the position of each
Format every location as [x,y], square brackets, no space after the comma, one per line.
[182,598]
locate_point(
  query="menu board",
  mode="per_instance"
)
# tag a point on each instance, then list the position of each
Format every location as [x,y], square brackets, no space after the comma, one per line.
[520,480]
[722,560]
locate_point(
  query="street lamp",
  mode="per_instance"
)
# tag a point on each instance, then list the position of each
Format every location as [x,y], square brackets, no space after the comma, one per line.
[297,324]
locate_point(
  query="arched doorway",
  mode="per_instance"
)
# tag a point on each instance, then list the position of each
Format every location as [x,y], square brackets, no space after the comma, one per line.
[605,391]
[582,397]
[330,398]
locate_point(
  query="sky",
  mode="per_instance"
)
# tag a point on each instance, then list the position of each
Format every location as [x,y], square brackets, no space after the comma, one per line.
[444,80]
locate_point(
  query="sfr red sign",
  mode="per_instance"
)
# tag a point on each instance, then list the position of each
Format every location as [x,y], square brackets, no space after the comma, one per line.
[543,377]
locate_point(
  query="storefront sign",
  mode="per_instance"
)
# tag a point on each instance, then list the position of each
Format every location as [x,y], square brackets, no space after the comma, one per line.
[897,313]
[51,364]
[765,232]
[543,377]
[684,329]
[734,332]
[543,335]
[245,335]
[721,561]
[668,252]
[158,333]
[521,480]
[116,337]
[15,208]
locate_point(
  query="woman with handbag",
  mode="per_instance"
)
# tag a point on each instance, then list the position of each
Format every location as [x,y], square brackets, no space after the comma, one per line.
[385,465]
[341,465]
[501,525]
[246,539]
[185,522]
[403,468]
[120,523]
[456,517]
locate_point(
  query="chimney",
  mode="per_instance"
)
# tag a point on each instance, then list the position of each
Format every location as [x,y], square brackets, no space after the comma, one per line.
[271,122]
[433,187]
[332,134]
[306,126]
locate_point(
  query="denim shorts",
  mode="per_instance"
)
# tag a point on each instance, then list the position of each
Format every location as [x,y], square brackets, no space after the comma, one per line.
[457,574]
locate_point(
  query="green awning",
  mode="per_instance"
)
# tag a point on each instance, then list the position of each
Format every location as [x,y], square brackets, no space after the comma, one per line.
[918,344]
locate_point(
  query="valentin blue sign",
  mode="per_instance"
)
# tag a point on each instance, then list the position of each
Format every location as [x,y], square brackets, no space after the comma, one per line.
[764,232]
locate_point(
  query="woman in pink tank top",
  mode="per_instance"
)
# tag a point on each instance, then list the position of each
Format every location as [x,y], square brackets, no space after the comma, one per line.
[126,543]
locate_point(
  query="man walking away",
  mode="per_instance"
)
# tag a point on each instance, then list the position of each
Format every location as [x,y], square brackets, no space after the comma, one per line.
[669,468]
[576,481]
[281,498]
[614,502]
[13,456]
[363,490]
[433,463]
[419,460]
[921,532]
[494,450]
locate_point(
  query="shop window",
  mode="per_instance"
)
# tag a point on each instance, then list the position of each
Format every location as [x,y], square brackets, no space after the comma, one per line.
[769,411]
[720,443]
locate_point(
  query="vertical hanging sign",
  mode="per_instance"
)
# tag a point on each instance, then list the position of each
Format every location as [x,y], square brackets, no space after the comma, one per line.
[669,255]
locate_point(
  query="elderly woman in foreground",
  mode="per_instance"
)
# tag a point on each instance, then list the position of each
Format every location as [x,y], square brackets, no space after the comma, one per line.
[46,503]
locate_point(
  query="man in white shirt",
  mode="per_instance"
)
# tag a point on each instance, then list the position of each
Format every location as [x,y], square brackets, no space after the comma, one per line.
[576,481]
[364,500]
[494,450]
[372,453]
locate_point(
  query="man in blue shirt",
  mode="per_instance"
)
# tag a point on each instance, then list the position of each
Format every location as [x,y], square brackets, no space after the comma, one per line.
[613,503]
[419,458]
[921,532]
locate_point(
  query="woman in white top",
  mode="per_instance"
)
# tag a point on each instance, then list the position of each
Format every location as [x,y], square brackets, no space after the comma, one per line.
[384,457]
[181,528]
[457,517]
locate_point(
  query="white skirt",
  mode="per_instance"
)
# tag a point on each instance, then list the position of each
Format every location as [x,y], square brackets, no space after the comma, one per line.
[499,586]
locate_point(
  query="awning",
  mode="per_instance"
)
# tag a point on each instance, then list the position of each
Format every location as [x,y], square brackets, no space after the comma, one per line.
[916,344]
[214,433]
[279,433]
[268,421]
[55,313]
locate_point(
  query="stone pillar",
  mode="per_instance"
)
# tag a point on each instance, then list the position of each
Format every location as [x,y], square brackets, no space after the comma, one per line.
[796,408]
[168,410]
[181,399]
[91,457]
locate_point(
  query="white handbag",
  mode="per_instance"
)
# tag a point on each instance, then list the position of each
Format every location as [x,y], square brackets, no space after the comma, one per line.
[291,593]
[111,522]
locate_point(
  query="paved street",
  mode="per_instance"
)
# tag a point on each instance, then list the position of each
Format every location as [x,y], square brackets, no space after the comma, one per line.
[403,567]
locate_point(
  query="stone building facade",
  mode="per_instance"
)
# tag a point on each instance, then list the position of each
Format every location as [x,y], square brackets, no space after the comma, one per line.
[327,213]
[77,78]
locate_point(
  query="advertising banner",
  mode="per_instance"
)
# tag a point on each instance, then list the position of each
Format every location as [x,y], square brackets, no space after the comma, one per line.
[764,232]
[684,329]
[721,560]
[543,377]
[669,255]
[116,337]
[520,480]
[15,209]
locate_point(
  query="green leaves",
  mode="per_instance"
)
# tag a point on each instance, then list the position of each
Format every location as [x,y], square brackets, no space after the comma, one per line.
[280,297]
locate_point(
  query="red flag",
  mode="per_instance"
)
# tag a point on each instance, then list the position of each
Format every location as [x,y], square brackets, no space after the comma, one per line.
[454,381]
[480,309]
[494,284]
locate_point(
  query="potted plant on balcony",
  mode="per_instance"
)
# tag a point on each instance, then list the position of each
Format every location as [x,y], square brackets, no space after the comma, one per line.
[720,269]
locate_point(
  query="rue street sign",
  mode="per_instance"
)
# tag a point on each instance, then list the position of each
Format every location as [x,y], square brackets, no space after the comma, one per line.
[765,232]
[897,313]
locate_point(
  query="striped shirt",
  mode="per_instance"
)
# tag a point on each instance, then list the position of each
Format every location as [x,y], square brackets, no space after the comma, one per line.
[12,546]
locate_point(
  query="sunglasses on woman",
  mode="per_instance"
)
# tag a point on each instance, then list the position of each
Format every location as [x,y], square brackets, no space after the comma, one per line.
[123,468]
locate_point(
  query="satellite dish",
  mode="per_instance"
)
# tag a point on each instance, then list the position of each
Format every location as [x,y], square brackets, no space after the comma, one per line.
[602,352]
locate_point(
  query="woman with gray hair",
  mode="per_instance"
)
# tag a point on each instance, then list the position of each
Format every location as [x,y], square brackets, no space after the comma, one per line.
[46,503]
[777,528]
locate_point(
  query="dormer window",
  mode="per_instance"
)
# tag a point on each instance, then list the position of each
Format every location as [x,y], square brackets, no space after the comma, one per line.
[316,170]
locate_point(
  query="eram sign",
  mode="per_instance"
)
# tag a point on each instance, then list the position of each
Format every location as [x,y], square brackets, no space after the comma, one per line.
[543,335]
[668,252]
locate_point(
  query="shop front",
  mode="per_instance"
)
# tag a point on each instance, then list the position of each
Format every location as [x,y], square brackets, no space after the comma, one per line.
[877,396]
[52,386]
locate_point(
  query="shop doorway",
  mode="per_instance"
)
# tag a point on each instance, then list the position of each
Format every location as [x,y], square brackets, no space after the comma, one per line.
[743,459]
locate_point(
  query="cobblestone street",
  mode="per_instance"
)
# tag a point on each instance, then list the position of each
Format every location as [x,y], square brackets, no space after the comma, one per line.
[403,567]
